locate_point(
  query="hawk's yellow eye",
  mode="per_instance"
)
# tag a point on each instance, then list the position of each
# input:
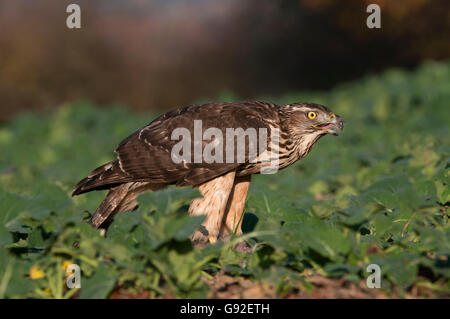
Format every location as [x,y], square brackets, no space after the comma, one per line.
[312,115]
[332,116]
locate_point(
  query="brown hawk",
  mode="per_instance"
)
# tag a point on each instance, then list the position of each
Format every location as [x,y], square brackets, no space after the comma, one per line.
[221,168]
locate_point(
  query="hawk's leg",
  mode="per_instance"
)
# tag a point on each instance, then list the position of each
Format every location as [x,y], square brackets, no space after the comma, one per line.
[232,220]
[213,204]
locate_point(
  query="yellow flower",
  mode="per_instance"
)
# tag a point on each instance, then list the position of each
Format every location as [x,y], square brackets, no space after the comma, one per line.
[36,273]
[66,264]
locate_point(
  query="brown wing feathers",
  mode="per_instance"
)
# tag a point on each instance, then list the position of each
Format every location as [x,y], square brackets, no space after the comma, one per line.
[144,158]
[103,177]
[145,155]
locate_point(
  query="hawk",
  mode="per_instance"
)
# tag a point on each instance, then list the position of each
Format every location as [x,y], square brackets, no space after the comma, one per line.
[151,158]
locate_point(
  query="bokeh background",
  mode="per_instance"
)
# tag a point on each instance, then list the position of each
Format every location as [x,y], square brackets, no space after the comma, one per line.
[154,55]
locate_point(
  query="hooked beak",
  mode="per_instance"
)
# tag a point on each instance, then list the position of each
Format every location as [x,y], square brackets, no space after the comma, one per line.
[333,126]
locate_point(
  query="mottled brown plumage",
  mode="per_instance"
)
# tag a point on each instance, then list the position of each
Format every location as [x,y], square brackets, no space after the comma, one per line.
[144,159]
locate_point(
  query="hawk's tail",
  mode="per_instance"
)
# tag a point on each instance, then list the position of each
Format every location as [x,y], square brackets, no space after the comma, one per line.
[122,192]
[120,199]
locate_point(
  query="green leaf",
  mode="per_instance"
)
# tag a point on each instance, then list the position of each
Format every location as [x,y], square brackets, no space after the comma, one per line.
[100,284]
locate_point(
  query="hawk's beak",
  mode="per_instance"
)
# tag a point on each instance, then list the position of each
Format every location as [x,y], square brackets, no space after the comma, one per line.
[332,127]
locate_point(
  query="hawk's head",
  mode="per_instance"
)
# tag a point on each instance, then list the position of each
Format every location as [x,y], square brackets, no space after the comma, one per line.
[310,119]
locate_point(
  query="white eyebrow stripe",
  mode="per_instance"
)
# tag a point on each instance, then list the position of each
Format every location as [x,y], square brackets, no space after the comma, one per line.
[304,108]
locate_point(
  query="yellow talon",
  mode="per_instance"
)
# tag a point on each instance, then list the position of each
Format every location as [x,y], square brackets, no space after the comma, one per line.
[212,240]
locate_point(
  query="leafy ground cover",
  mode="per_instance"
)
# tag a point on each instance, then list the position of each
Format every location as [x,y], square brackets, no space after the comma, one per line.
[377,194]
